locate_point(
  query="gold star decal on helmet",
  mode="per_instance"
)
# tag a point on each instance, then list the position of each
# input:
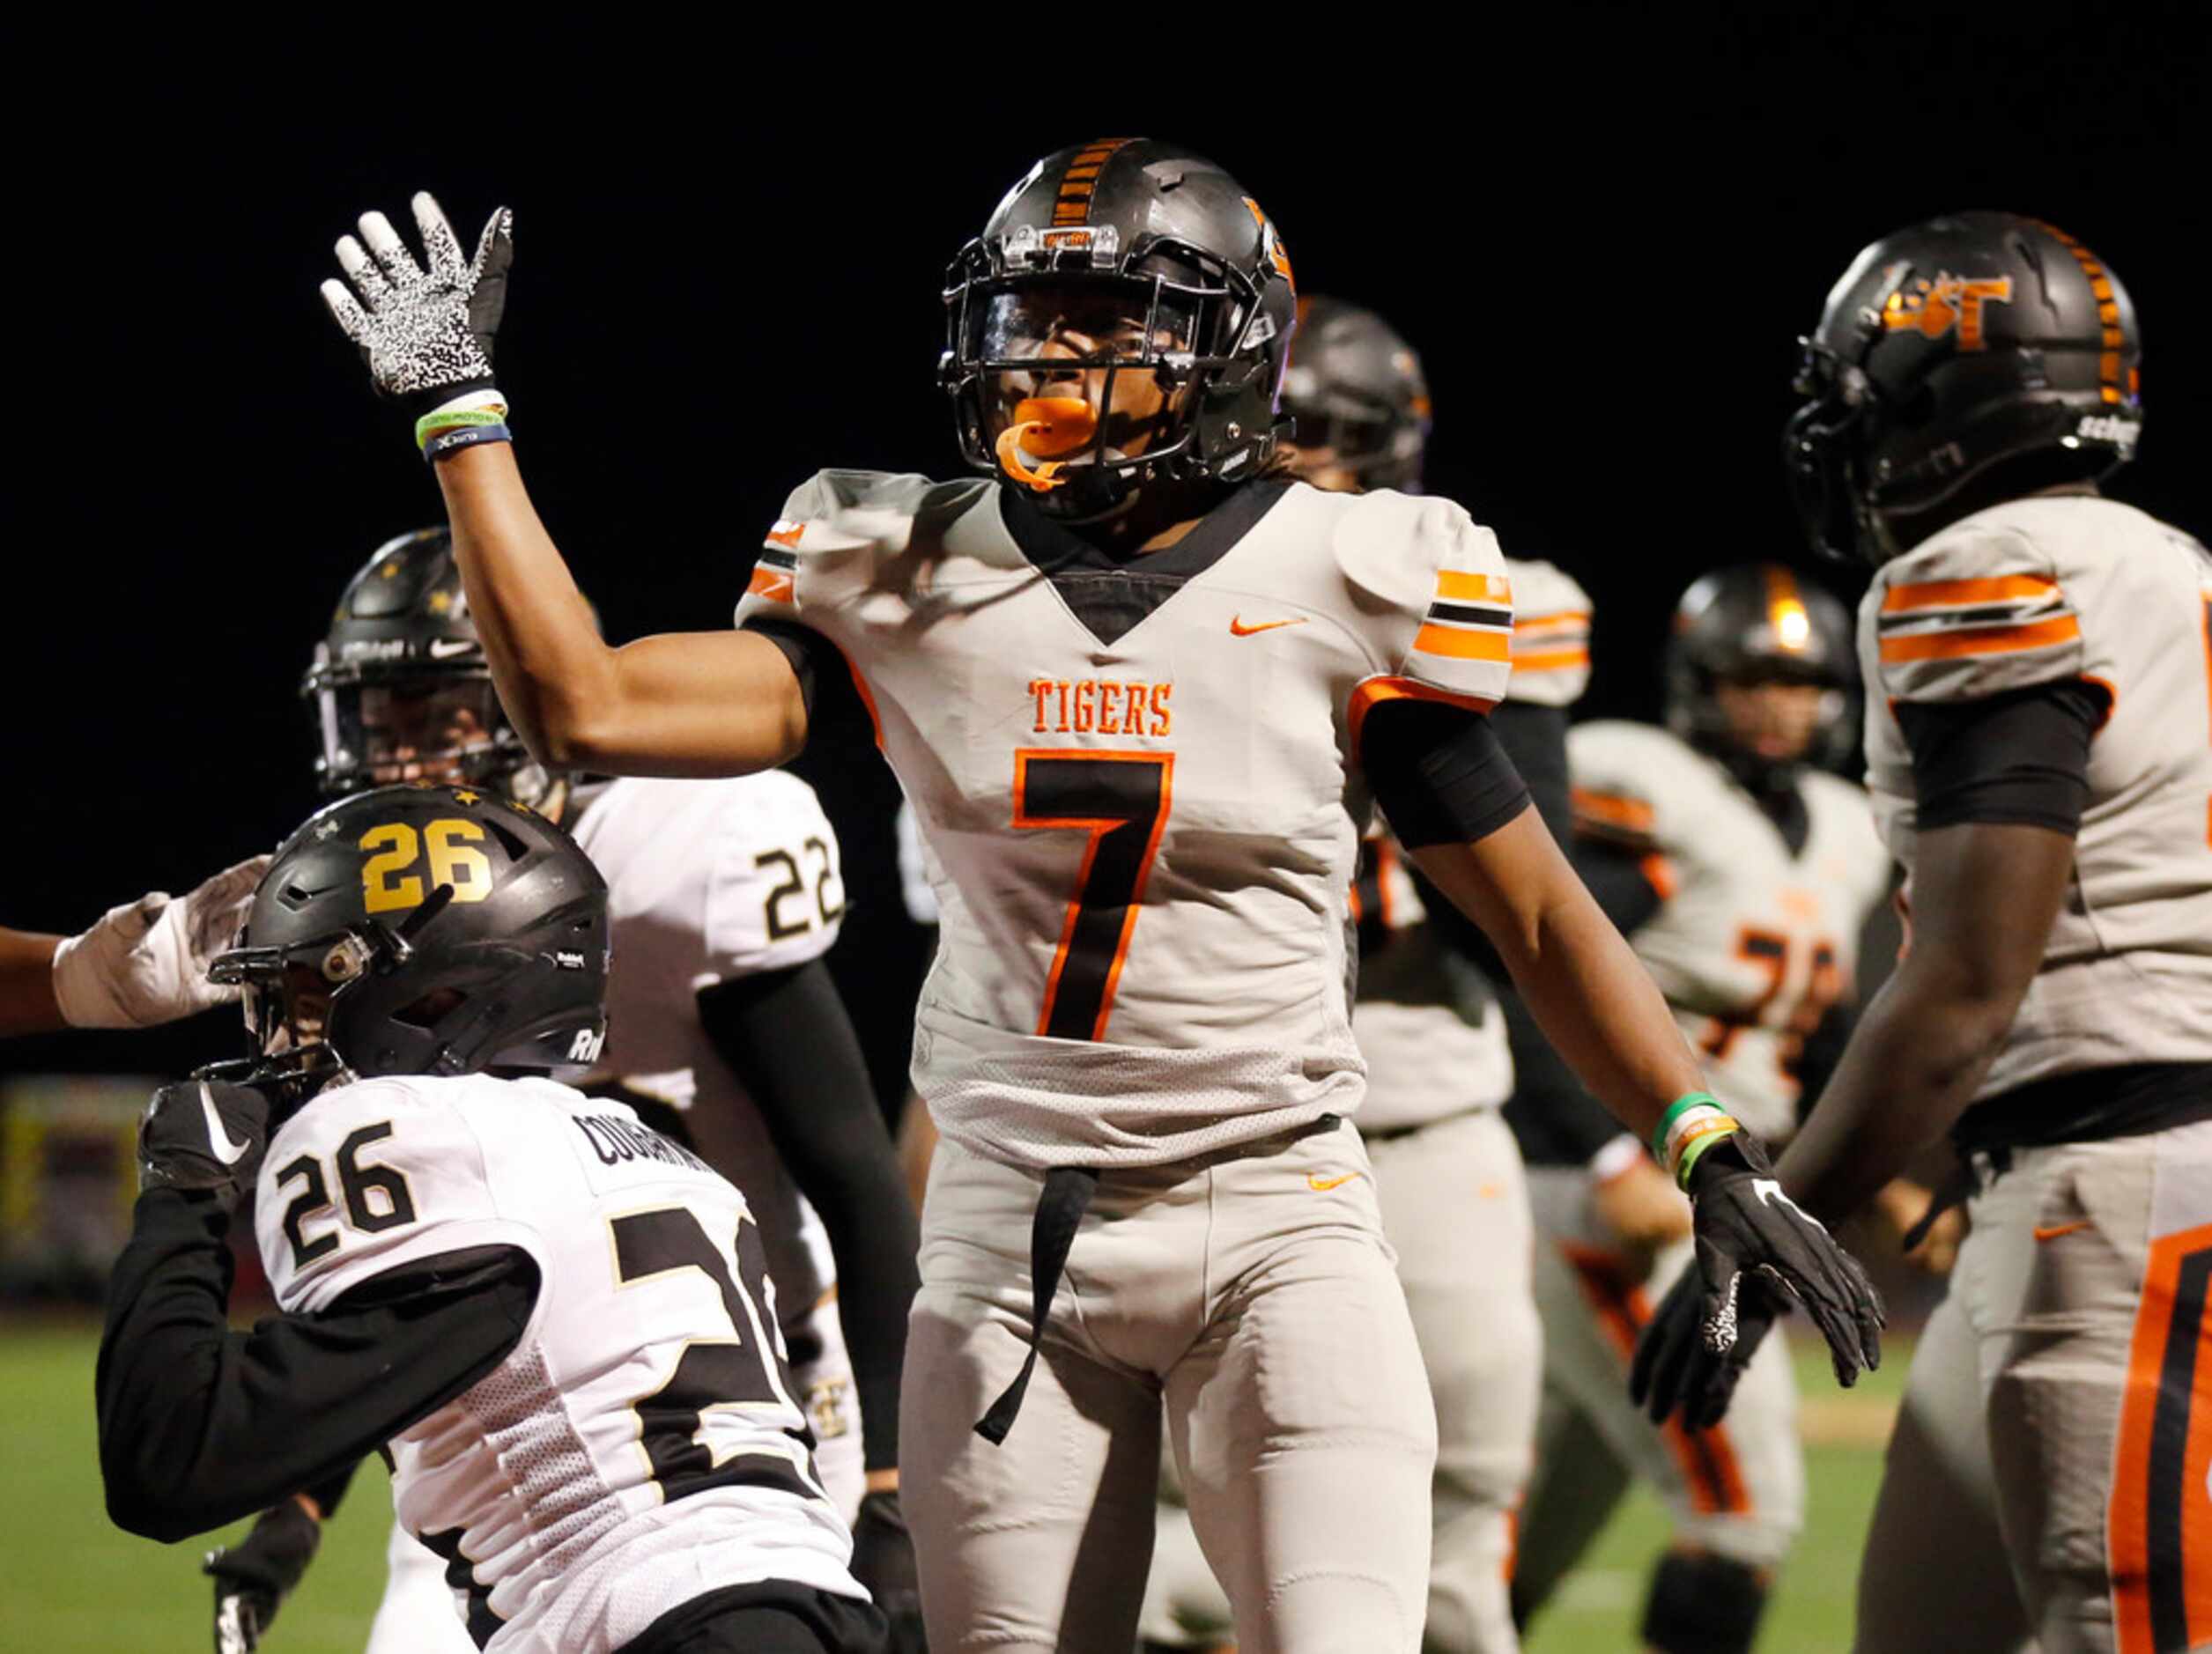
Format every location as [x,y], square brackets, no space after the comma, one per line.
[466,797]
[441,602]
[388,571]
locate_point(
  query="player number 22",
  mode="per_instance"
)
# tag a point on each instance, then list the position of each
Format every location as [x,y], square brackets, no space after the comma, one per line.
[1122,800]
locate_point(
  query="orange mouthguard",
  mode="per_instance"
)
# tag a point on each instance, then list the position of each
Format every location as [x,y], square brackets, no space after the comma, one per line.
[1045,425]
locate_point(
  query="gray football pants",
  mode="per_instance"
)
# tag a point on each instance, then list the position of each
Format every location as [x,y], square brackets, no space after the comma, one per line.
[1455,1209]
[2052,1470]
[1253,1293]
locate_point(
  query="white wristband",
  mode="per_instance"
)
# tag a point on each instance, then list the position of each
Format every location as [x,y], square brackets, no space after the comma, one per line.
[1615,1157]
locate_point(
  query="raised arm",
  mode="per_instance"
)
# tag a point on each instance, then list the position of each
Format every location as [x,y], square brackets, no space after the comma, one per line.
[696,704]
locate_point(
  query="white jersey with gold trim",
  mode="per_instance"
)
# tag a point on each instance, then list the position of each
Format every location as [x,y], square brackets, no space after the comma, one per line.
[1438,1047]
[1138,782]
[708,880]
[1752,943]
[640,1445]
[2073,587]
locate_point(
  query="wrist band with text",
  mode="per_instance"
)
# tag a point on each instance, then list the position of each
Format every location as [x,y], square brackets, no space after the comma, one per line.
[1675,1110]
[466,436]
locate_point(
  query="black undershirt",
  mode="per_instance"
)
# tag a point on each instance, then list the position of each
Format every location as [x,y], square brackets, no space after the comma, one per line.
[200,1426]
[786,1036]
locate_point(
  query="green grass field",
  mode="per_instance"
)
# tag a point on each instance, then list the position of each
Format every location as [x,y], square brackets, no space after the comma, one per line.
[74,1583]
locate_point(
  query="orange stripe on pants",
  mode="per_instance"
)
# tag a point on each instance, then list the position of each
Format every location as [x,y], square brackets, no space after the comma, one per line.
[2158,1525]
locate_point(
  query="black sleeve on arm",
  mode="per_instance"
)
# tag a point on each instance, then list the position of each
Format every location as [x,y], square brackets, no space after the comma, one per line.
[787,1036]
[826,684]
[200,1426]
[2019,758]
[1439,772]
[1536,739]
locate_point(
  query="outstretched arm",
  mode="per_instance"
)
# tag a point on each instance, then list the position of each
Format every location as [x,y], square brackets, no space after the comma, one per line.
[684,703]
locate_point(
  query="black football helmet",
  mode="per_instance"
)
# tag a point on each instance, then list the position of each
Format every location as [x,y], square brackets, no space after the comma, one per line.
[423,929]
[1354,386]
[1759,622]
[401,688]
[1970,358]
[1162,258]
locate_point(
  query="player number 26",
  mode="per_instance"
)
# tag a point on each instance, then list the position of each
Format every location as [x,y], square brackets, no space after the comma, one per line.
[451,862]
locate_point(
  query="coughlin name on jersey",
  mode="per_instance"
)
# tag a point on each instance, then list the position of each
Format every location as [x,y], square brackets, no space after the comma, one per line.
[640,1445]
[2078,587]
[1429,1026]
[1752,942]
[707,881]
[1139,781]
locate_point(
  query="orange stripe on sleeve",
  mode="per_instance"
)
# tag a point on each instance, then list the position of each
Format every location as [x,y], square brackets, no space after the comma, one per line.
[1537,625]
[1942,593]
[1456,645]
[1947,645]
[1378,689]
[1549,660]
[1481,588]
[1613,809]
[773,584]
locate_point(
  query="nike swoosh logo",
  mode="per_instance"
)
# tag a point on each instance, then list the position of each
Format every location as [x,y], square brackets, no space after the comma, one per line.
[227,1151]
[2057,1229]
[442,648]
[1238,629]
[1324,1184]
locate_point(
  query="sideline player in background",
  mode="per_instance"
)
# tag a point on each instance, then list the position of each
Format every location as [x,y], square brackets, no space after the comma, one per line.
[139,965]
[2040,756]
[1141,693]
[723,897]
[515,1287]
[1741,872]
[1428,1023]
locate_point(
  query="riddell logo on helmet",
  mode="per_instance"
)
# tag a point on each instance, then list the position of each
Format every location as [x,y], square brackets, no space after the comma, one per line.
[1935,308]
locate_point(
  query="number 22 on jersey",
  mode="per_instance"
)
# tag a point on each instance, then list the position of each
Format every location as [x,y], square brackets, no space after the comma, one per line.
[1122,800]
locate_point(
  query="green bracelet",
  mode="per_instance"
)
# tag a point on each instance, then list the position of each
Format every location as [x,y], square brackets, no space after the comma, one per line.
[1695,1148]
[1681,1105]
[452,419]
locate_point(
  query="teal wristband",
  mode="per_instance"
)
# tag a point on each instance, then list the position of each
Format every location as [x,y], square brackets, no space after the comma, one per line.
[1695,1148]
[1675,1110]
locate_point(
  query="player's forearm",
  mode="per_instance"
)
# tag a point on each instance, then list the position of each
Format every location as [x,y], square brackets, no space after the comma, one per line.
[1590,995]
[557,678]
[27,1005]
[1914,1061]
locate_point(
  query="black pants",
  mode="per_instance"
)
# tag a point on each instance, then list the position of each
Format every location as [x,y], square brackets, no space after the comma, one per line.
[773,1617]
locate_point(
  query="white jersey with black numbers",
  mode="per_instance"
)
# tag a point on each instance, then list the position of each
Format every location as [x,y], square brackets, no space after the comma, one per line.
[640,1445]
[1752,942]
[1138,780]
[707,881]
[1430,1030]
[2065,588]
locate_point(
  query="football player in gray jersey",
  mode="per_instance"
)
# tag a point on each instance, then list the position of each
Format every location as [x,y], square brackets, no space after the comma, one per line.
[726,1034]
[2038,732]
[1144,693]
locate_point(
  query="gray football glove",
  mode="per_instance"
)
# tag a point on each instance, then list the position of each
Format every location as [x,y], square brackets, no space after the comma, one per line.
[425,333]
[205,1134]
[1749,1233]
[146,961]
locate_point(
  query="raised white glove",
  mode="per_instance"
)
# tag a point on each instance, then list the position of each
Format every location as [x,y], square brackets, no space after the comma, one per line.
[425,333]
[146,961]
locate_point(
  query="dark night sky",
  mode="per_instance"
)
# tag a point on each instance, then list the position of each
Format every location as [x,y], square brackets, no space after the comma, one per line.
[1605,249]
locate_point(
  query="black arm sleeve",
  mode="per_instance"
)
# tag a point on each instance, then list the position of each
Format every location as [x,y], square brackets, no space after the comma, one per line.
[2019,758]
[200,1426]
[1439,772]
[1533,740]
[834,709]
[787,1036]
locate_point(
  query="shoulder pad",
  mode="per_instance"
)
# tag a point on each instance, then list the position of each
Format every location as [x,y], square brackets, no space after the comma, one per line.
[1976,610]
[1552,635]
[838,511]
[1438,574]
[1623,776]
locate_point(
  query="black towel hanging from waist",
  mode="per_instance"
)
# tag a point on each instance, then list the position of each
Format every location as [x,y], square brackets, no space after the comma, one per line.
[1060,1209]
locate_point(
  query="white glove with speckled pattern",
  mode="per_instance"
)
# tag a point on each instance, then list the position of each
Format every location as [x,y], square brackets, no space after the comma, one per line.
[425,333]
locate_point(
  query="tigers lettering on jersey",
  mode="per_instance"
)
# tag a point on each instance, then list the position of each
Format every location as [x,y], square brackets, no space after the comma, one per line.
[1083,706]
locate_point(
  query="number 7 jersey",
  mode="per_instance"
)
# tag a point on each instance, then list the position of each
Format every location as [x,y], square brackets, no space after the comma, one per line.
[1139,780]
[640,1445]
